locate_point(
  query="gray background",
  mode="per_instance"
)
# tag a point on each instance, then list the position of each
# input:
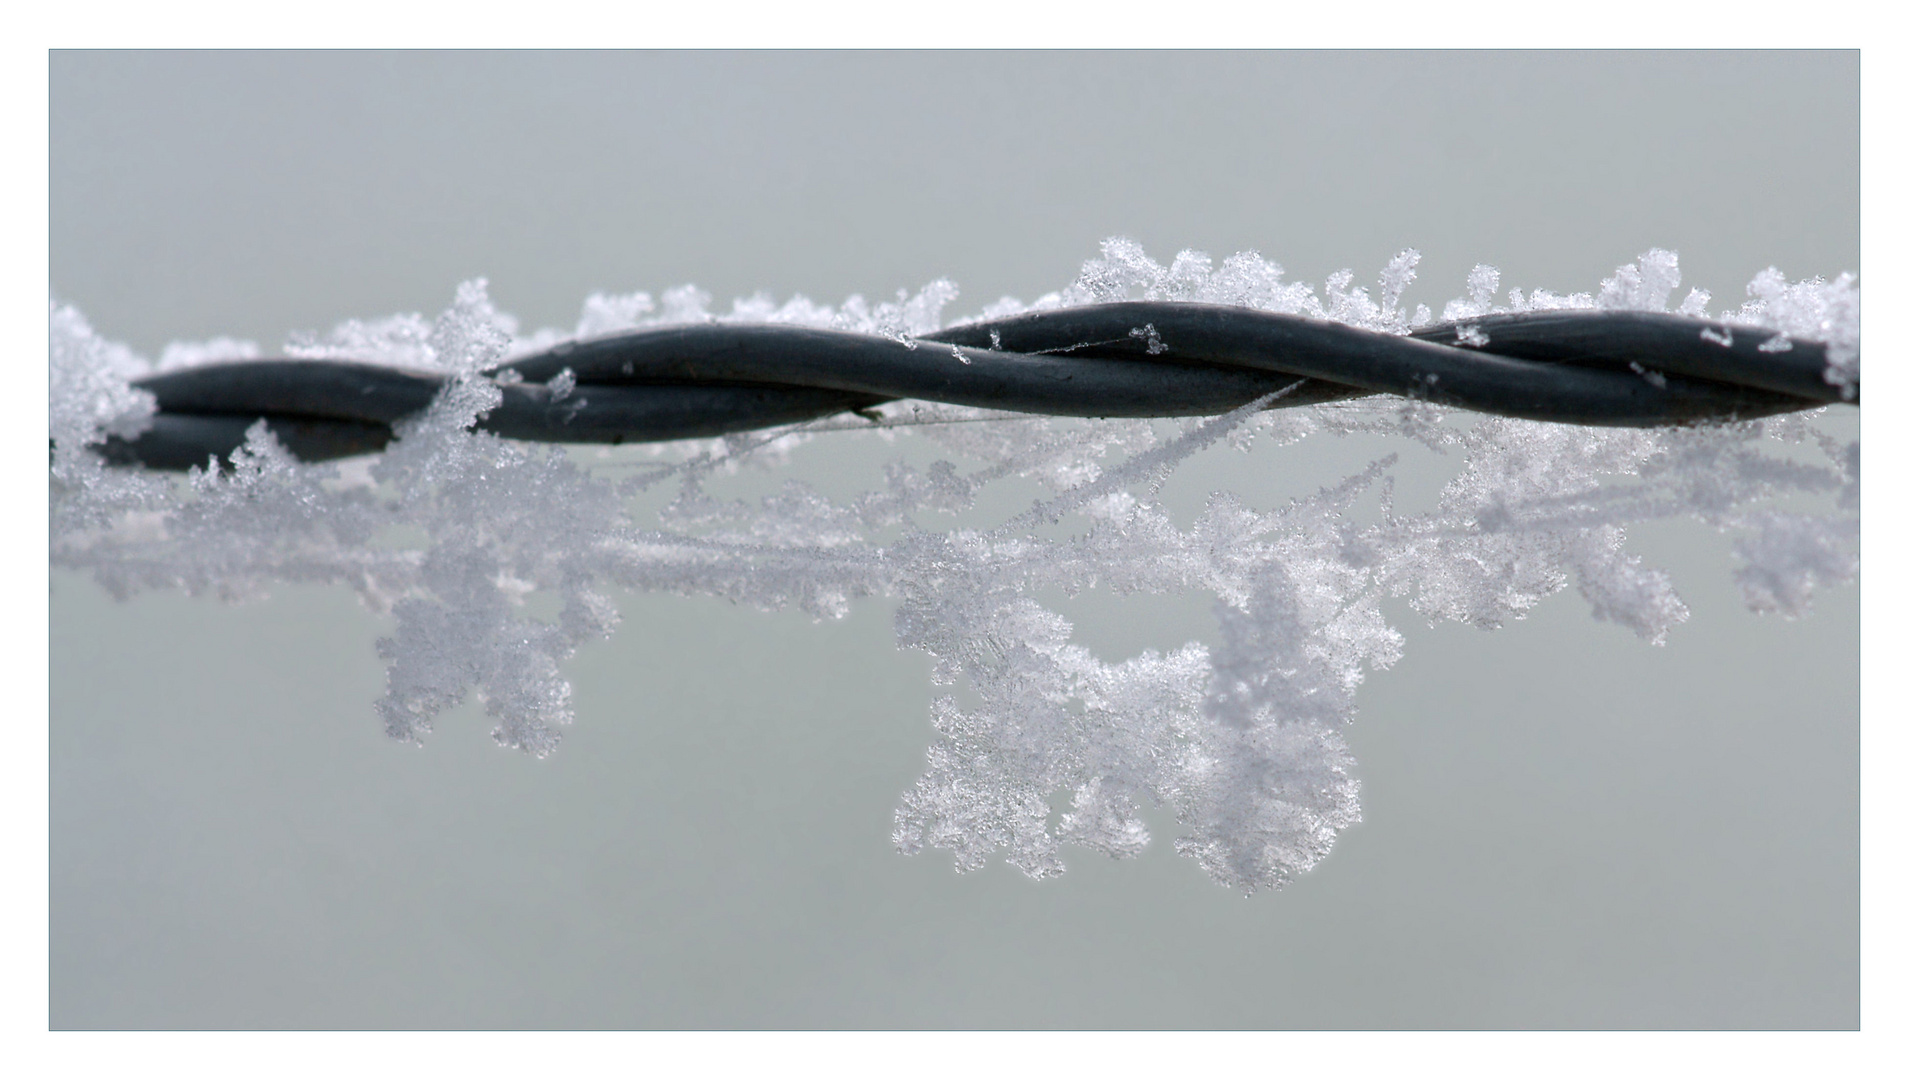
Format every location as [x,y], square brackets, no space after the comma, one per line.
[1564,827]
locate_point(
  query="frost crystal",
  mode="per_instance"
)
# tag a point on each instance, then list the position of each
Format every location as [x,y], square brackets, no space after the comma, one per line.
[1038,743]
[1827,311]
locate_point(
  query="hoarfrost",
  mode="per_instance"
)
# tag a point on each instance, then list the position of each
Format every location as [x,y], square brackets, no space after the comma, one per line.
[89,397]
[1241,739]
[1644,285]
[1815,309]
[1788,556]
[185,354]
[1480,286]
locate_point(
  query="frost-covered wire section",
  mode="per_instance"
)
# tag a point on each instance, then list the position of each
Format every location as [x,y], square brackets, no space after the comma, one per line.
[1172,343]
[451,528]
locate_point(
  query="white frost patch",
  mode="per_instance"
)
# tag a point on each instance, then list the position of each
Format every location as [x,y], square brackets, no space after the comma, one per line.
[1788,557]
[1644,285]
[186,354]
[1815,310]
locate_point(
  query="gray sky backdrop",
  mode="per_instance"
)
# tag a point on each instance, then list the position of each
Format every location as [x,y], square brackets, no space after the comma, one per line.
[1563,827]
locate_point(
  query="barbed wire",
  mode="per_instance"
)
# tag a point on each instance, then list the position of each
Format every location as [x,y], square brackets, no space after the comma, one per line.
[1130,359]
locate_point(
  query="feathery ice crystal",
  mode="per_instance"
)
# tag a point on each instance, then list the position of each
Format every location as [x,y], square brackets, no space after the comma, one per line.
[1241,737]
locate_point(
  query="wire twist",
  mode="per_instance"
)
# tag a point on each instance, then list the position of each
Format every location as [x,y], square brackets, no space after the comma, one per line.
[1131,359]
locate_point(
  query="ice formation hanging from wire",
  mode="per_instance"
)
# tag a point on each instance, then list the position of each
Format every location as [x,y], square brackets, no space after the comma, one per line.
[1242,738]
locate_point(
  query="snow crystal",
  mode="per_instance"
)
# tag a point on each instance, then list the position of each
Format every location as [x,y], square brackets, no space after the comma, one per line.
[399,340]
[1644,285]
[1480,286]
[1816,310]
[1787,557]
[89,398]
[185,354]
[1151,335]
[1242,738]
[605,313]
[1400,272]
[1124,272]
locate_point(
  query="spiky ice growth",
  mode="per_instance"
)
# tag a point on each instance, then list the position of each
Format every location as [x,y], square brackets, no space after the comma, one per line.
[1241,738]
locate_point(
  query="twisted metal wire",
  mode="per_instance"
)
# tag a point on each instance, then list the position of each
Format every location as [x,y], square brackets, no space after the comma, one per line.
[1133,359]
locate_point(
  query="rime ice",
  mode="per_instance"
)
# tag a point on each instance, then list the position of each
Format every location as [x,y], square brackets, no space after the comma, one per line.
[1241,738]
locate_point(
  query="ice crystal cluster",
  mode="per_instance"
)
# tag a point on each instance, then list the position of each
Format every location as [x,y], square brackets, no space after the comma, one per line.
[1242,737]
